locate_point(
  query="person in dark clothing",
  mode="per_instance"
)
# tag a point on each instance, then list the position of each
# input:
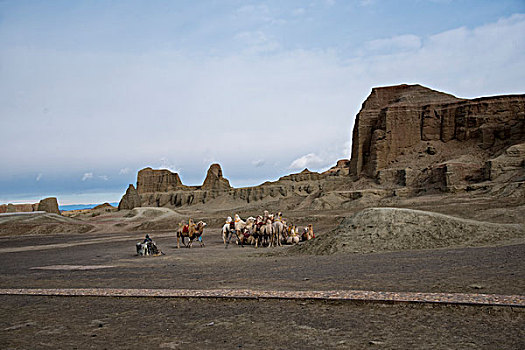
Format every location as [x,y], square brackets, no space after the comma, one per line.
[147,239]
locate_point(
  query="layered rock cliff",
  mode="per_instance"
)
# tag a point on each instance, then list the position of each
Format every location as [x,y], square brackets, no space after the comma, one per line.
[397,119]
[163,180]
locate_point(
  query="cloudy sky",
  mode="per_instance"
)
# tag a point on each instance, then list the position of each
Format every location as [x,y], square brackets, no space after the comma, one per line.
[93,91]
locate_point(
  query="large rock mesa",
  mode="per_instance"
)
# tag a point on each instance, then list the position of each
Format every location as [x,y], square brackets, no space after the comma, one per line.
[395,119]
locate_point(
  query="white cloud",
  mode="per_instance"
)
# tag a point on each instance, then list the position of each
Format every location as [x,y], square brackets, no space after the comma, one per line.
[103,177]
[457,61]
[298,11]
[232,108]
[367,2]
[309,160]
[260,13]
[394,44]
[256,42]
[253,9]
[166,164]
[124,171]
[39,176]
[258,163]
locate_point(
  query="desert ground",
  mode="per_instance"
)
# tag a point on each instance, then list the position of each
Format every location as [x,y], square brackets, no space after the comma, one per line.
[105,257]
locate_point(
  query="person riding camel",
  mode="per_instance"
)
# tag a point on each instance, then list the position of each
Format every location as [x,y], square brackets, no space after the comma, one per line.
[230,222]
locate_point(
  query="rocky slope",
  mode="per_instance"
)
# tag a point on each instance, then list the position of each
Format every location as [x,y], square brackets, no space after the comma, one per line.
[407,140]
[391,229]
[40,222]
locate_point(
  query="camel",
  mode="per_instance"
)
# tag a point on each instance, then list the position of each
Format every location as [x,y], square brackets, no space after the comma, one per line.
[308,233]
[248,230]
[263,231]
[227,229]
[191,231]
[199,231]
[293,237]
[278,231]
[257,230]
[242,229]
[185,230]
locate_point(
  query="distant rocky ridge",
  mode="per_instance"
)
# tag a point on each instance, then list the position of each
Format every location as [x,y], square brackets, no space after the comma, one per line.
[49,205]
[163,188]
[407,139]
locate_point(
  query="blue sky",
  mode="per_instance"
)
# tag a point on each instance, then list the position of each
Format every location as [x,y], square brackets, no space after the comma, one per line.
[93,91]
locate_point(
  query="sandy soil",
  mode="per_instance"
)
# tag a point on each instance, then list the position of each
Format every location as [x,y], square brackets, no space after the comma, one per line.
[41,322]
[41,260]
[132,323]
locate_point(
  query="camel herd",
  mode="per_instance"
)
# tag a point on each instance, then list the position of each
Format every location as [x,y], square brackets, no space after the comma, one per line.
[265,230]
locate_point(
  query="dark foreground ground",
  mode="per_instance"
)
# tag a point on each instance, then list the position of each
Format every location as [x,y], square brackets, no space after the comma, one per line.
[145,323]
[33,322]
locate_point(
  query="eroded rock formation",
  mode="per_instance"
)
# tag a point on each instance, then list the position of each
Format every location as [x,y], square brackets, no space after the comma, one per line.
[131,199]
[511,162]
[26,207]
[342,167]
[407,139]
[412,136]
[162,180]
[49,205]
[214,179]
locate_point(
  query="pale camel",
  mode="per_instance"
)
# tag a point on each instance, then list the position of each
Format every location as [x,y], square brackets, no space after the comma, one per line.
[293,237]
[278,232]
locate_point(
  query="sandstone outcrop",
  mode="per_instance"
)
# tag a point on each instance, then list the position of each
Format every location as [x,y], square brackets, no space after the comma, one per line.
[407,140]
[162,180]
[17,208]
[130,200]
[21,208]
[511,161]
[49,205]
[396,119]
[11,208]
[216,190]
[342,167]
[214,179]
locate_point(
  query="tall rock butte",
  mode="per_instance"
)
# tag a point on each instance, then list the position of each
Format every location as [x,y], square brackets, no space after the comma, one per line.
[214,179]
[162,180]
[396,118]
[49,205]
